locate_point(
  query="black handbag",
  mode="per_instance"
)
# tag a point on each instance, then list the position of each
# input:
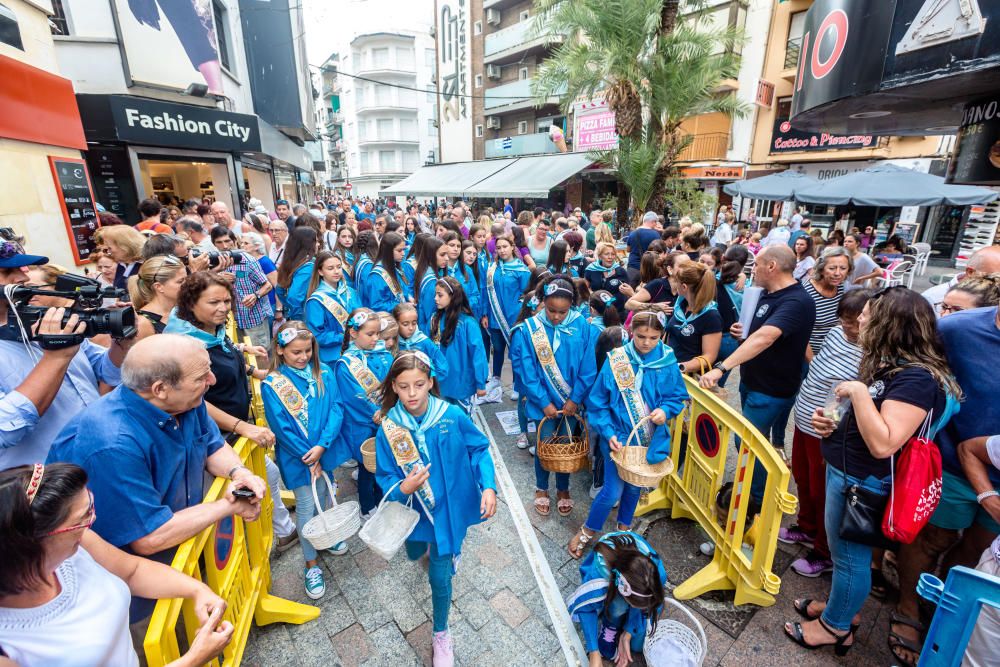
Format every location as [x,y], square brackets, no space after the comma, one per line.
[863,509]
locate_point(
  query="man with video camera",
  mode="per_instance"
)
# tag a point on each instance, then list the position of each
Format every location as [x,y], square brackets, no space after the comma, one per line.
[51,370]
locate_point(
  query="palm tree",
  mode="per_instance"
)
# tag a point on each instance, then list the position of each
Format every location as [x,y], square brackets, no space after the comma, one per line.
[653,68]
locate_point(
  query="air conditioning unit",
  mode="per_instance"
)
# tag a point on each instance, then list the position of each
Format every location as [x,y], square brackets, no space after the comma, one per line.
[493,71]
[493,16]
[433,31]
[493,122]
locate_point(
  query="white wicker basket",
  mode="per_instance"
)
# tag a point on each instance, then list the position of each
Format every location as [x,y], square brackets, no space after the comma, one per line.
[675,644]
[334,525]
[392,523]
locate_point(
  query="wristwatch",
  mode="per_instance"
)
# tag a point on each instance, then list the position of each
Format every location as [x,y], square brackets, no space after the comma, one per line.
[235,468]
[719,365]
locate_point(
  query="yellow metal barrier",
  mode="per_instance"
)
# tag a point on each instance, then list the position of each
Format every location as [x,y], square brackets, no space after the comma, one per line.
[233,558]
[704,428]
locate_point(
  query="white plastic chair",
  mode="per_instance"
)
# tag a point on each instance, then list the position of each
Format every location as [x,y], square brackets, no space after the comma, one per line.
[897,275]
[923,254]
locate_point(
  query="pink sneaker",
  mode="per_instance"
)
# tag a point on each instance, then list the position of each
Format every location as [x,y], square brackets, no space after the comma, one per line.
[812,565]
[444,650]
[795,535]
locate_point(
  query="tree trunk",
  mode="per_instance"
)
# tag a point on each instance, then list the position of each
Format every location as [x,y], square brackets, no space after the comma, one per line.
[668,16]
[624,195]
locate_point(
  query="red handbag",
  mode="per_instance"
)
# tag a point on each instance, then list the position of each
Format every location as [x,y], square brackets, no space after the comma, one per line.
[916,488]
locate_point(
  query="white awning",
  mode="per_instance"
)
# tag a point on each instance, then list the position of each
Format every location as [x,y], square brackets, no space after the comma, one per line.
[532,176]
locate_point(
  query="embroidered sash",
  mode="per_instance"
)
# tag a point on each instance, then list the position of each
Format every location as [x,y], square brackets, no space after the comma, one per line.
[491,293]
[384,275]
[333,306]
[408,457]
[547,359]
[635,406]
[364,377]
[292,400]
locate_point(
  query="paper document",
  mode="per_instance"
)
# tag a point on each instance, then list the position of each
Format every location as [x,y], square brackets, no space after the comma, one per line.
[751,295]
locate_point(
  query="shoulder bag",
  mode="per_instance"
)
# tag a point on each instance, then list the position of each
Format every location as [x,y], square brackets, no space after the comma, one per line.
[863,509]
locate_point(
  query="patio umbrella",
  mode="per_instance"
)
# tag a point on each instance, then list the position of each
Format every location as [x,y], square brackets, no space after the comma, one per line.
[891,185]
[778,187]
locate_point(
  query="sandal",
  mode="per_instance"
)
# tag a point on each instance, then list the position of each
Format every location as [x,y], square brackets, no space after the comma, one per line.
[897,641]
[801,607]
[840,648]
[564,505]
[542,503]
[579,541]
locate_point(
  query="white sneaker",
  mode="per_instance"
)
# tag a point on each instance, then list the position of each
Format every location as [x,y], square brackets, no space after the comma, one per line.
[338,549]
[492,382]
[522,441]
[594,490]
[531,450]
[354,474]
[513,395]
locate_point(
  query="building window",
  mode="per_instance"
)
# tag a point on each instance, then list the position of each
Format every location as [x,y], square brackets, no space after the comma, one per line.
[429,57]
[431,93]
[380,58]
[356,61]
[222,32]
[408,129]
[411,160]
[523,16]
[479,81]
[522,127]
[384,126]
[404,58]
[387,161]
[479,131]
[477,28]
[364,162]
[522,73]
[794,44]
[383,95]
[10,32]
[58,22]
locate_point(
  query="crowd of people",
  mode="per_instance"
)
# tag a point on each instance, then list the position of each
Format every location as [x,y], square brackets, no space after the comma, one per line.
[371,321]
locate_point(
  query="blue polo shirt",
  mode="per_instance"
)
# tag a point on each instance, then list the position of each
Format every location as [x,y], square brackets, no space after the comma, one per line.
[143,464]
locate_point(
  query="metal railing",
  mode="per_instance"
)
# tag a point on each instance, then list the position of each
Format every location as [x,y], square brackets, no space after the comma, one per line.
[792,49]
[708,146]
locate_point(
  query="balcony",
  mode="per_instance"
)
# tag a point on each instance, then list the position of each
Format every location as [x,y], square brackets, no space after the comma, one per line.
[387,139]
[513,43]
[385,105]
[499,4]
[514,96]
[791,64]
[526,144]
[709,146]
[386,69]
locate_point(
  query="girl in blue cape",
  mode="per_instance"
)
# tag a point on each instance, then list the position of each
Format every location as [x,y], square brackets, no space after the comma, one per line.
[412,338]
[431,265]
[455,329]
[330,303]
[638,379]
[366,249]
[603,313]
[532,303]
[453,240]
[347,238]
[471,280]
[413,251]
[606,273]
[387,286]
[431,449]
[295,270]
[506,280]
[302,406]
[360,370]
[559,335]
[620,597]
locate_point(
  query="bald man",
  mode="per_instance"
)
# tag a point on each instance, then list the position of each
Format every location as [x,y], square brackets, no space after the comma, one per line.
[222,216]
[983,261]
[146,446]
[773,351]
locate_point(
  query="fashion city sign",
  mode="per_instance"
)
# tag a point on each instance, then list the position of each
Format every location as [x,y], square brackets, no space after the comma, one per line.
[166,124]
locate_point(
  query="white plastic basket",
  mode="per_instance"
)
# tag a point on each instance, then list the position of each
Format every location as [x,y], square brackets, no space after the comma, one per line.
[392,523]
[675,644]
[334,525]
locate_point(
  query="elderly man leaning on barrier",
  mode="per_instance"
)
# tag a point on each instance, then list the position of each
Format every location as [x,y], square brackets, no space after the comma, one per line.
[146,447]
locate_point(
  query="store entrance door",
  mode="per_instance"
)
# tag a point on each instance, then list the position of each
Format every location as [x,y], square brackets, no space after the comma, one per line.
[176,181]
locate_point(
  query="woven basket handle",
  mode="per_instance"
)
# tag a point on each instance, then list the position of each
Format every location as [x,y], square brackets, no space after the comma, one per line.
[635,431]
[333,498]
[694,621]
[565,421]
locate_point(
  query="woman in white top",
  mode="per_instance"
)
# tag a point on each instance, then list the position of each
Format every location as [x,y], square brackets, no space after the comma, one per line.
[780,235]
[865,267]
[65,592]
[804,259]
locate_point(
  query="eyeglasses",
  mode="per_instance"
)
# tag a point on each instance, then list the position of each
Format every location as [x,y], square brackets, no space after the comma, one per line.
[86,523]
[948,308]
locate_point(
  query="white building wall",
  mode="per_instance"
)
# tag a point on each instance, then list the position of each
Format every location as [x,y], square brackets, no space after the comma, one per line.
[758,22]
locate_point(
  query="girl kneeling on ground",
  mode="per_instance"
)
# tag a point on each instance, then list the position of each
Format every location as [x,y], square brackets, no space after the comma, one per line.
[430,448]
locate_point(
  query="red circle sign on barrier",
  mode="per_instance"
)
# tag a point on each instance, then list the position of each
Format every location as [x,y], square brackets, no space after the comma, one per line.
[224,534]
[707,434]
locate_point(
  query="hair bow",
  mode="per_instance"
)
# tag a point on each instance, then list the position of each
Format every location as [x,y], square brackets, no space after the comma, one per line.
[625,588]
[358,320]
[286,336]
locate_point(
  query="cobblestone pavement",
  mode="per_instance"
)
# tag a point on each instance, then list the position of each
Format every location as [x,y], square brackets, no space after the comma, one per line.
[378,613]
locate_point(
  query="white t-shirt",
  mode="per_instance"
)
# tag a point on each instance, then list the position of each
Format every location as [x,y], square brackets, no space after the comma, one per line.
[723,234]
[85,625]
[796,222]
[863,265]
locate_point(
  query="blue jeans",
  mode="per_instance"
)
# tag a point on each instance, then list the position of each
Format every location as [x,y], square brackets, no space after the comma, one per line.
[440,573]
[369,495]
[305,509]
[541,474]
[726,348]
[499,348]
[852,575]
[522,416]
[770,415]
[614,490]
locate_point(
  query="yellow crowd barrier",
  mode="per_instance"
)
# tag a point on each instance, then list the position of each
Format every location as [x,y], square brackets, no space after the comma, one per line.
[233,558]
[700,437]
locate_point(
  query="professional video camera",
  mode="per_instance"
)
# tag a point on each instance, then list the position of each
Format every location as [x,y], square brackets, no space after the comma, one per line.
[215,255]
[88,297]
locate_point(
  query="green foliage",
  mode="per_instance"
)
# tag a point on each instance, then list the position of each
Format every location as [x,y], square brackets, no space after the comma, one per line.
[686,199]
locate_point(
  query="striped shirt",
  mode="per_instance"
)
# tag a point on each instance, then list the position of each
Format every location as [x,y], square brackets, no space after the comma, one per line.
[838,362]
[826,314]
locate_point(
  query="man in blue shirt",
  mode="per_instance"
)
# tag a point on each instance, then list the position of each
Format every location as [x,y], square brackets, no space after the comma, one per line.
[146,447]
[638,241]
[41,389]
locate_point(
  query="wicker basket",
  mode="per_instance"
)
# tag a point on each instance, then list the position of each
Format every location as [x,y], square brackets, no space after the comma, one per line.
[674,644]
[566,452]
[334,525]
[368,454]
[632,466]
